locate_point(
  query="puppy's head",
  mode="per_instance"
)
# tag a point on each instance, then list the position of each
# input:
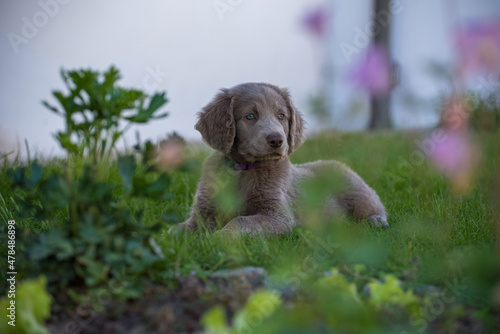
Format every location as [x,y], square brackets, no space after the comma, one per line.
[252,122]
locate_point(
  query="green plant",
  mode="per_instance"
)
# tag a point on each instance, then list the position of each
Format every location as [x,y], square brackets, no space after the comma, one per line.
[92,235]
[31,307]
[94,108]
[440,245]
[331,304]
[484,112]
[261,305]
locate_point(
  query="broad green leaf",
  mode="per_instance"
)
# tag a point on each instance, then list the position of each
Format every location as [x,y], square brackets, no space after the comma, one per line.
[390,293]
[159,187]
[339,283]
[32,304]
[35,176]
[110,78]
[214,321]
[65,141]
[63,101]
[91,234]
[115,137]
[126,168]
[261,304]
[57,192]
[359,268]
[145,115]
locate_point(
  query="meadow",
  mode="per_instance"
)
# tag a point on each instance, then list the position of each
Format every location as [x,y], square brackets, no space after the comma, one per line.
[440,245]
[93,254]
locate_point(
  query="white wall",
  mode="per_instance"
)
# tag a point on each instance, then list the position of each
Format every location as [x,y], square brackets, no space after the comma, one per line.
[197,51]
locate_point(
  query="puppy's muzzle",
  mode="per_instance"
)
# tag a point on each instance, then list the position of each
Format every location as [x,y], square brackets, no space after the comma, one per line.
[275,140]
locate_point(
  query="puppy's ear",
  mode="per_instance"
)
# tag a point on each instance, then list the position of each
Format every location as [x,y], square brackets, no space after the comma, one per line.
[216,122]
[296,132]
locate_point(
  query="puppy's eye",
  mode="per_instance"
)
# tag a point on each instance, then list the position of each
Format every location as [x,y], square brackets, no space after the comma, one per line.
[250,116]
[281,116]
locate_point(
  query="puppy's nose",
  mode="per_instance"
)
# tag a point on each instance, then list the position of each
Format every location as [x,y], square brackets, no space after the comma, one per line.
[275,140]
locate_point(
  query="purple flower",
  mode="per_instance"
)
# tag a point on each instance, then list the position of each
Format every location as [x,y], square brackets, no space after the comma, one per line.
[317,21]
[458,156]
[372,71]
[453,152]
[171,153]
[478,47]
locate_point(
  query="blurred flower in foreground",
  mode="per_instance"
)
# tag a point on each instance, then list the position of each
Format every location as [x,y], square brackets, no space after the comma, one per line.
[171,152]
[454,152]
[456,155]
[372,71]
[478,46]
[455,115]
[317,21]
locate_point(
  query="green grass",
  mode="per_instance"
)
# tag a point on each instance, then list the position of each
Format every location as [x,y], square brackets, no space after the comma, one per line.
[435,234]
[436,237]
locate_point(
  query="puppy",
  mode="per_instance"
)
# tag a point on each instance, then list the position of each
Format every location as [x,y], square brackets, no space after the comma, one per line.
[254,127]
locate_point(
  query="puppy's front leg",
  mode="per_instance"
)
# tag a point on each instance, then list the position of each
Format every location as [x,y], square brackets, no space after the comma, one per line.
[215,179]
[259,224]
[362,201]
[351,194]
[203,212]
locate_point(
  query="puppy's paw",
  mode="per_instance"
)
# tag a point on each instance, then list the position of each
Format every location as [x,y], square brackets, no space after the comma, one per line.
[378,221]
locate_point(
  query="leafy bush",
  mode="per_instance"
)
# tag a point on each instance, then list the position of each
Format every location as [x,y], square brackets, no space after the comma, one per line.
[97,236]
[330,304]
[261,304]
[94,109]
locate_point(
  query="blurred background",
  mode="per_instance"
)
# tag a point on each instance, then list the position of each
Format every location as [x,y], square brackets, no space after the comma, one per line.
[349,65]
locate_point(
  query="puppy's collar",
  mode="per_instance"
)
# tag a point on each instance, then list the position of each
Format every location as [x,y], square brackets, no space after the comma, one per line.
[237,166]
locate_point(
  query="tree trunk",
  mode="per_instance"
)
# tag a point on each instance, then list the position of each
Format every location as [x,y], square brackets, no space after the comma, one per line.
[380,112]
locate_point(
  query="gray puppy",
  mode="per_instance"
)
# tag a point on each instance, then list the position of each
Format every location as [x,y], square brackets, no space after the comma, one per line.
[254,127]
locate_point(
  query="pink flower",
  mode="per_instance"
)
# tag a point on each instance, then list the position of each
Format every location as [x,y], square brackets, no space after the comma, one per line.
[452,153]
[478,47]
[317,21]
[455,115]
[456,155]
[372,71]
[171,153]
